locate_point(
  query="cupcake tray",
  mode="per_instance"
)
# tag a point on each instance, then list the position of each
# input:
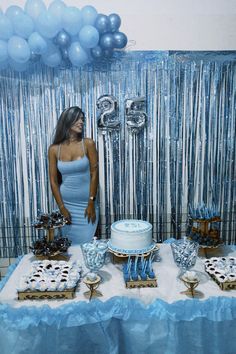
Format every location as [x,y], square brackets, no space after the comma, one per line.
[46,295]
[149,283]
[227,285]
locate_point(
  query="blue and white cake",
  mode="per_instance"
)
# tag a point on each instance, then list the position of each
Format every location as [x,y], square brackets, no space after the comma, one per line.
[131,237]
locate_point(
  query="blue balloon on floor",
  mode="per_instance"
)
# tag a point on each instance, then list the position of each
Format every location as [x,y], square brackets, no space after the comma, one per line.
[120,40]
[77,54]
[18,49]
[6,28]
[107,41]
[102,23]
[34,8]
[3,51]
[88,36]
[89,15]
[115,22]
[37,43]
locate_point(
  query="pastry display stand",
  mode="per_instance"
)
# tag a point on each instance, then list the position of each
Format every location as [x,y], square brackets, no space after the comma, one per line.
[57,256]
[203,228]
[190,285]
[92,285]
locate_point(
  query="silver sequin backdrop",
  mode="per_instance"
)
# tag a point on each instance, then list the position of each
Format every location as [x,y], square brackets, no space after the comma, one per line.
[184,155]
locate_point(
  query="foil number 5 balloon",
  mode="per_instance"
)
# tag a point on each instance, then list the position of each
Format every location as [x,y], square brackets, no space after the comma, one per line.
[135,115]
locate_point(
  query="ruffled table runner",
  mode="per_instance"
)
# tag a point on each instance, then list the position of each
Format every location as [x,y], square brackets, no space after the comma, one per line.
[155,320]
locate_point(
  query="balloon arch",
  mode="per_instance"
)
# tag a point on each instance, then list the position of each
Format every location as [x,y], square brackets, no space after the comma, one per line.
[58,36]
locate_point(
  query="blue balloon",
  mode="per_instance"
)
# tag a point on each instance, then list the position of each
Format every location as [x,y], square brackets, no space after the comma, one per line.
[120,40]
[107,53]
[102,23]
[3,51]
[37,43]
[107,41]
[13,11]
[63,39]
[3,65]
[96,52]
[34,8]
[57,8]
[18,49]
[88,36]
[34,57]
[77,54]
[47,25]
[6,28]
[72,20]
[64,54]
[23,25]
[52,57]
[115,22]
[18,66]
[89,15]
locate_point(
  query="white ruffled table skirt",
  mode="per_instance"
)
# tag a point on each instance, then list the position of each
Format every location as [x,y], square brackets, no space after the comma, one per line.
[151,320]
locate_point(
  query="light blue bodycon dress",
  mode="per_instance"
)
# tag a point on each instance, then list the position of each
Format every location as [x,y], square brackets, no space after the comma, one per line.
[75,190]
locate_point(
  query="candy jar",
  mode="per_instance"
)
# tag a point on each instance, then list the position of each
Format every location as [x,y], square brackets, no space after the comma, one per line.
[185,254]
[94,256]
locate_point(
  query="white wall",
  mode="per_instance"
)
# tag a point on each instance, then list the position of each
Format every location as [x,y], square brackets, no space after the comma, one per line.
[168,24]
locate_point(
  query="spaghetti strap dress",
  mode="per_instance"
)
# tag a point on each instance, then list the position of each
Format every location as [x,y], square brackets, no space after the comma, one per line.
[75,192]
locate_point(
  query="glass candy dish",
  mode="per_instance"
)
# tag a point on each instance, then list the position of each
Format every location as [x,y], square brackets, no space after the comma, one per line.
[94,257]
[185,254]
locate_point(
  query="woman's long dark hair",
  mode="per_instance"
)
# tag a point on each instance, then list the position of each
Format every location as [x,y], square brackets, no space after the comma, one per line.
[68,117]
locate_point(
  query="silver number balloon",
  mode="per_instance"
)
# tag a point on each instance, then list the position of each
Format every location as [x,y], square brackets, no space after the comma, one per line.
[135,115]
[108,115]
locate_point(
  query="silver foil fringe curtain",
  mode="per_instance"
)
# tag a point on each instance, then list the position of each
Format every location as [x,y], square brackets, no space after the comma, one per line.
[184,155]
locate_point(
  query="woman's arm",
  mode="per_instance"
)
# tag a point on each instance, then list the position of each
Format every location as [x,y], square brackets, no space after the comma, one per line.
[93,161]
[53,175]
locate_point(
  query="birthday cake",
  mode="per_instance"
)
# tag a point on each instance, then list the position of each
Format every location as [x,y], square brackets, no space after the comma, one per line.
[131,237]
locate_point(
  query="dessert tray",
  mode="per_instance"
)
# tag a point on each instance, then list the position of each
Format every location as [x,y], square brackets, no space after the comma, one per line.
[138,272]
[223,271]
[50,280]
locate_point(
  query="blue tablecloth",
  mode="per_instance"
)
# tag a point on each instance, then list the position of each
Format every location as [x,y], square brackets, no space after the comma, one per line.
[120,325]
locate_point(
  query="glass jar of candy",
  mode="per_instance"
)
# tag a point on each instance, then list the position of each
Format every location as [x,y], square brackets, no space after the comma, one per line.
[94,256]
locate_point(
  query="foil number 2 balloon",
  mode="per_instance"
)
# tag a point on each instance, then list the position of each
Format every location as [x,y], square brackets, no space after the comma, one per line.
[108,117]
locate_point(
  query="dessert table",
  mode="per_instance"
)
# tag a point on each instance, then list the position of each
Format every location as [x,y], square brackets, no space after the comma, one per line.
[146,320]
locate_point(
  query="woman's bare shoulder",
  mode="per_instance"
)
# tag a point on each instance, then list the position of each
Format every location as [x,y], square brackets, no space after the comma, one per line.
[53,149]
[89,142]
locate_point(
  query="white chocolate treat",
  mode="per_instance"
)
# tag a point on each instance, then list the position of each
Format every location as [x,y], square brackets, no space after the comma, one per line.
[133,236]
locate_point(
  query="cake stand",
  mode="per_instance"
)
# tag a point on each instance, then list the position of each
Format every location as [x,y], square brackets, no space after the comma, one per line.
[120,257]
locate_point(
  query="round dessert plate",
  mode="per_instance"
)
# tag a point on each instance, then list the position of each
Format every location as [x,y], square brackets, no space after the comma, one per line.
[124,252]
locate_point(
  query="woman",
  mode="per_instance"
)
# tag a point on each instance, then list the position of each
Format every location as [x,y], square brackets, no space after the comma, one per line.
[73,160]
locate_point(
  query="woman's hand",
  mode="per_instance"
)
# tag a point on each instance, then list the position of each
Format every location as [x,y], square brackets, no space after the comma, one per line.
[65,212]
[90,212]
